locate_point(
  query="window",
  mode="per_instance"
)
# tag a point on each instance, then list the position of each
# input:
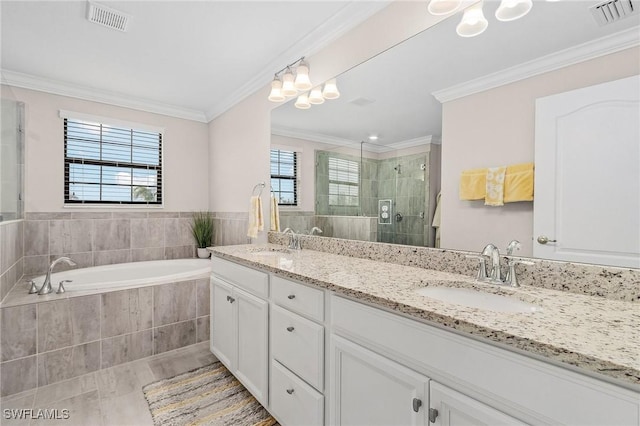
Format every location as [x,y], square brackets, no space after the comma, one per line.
[111,165]
[284,177]
[344,176]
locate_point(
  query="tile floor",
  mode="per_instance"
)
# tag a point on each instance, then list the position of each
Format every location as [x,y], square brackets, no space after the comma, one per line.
[112,396]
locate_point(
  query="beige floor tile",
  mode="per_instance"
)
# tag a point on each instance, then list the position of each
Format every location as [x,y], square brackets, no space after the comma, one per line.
[64,390]
[126,410]
[83,410]
[124,379]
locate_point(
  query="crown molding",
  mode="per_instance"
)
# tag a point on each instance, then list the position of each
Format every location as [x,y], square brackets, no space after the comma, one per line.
[27,81]
[573,55]
[339,24]
[370,147]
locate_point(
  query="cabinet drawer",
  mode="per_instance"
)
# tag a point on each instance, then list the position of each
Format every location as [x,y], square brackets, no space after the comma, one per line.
[298,343]
[253,281]
[298,298]
[294,402]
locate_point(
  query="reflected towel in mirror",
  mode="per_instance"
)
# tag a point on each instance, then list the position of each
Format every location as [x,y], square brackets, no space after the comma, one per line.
[256,220]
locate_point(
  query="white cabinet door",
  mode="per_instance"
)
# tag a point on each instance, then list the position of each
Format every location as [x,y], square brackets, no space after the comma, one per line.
[369,389]
[456,409]
[587,180]
[223,324]
[252,361]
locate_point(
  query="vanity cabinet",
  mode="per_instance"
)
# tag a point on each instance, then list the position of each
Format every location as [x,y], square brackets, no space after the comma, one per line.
[369,389]
[239,329]
[450,408]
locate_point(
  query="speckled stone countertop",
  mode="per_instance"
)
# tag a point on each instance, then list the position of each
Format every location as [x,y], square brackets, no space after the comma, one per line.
[595,334]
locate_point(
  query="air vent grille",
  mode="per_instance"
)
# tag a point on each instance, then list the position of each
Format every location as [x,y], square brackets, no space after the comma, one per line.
[362,101]
[108,17]
[613,10]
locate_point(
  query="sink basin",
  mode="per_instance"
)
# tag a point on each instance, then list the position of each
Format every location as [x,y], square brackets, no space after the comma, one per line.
[265,251]
[477,299]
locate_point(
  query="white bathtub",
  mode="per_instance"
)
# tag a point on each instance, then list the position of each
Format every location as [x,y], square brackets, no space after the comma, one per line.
[130,275]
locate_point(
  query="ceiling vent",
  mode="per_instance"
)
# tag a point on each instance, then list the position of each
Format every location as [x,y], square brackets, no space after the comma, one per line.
[108,17]
[613,10]
[362,101]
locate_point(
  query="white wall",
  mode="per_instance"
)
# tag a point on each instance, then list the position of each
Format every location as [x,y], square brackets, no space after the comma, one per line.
[496,127]
[185,151]
[239,139]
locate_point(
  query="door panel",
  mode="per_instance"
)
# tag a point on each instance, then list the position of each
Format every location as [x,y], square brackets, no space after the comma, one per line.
[223,329]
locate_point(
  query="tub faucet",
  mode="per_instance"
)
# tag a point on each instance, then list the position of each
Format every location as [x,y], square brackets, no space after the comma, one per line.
[46,287]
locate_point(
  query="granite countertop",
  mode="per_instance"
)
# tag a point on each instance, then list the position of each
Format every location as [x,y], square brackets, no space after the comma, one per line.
[598,335]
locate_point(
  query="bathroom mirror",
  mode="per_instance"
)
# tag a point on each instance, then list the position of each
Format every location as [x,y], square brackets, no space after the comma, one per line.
[391,96]
[11,159]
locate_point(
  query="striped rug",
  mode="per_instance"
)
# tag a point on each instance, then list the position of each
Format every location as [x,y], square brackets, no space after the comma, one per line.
[209,395]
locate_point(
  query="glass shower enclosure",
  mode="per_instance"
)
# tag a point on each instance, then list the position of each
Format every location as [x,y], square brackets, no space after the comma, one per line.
[11,160]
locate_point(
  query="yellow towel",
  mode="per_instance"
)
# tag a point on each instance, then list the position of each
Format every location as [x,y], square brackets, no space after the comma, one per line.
[256,222]
[473,184]
[518,184]
[275,214]
[495,186]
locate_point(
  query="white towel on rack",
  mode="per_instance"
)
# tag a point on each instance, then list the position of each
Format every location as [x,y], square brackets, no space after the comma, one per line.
[256,220]
[275,213]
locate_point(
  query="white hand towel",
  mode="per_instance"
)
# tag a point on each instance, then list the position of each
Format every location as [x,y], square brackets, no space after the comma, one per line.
[256,222]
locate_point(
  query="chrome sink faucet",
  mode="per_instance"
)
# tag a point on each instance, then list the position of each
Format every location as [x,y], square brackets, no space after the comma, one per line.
[493,273]
[294,240]
[315,230]
[46,286]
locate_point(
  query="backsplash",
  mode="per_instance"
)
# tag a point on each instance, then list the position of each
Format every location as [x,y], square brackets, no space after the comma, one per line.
[594,280]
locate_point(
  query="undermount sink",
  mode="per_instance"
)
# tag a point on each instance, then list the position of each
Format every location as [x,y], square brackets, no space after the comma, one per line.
[266,251]
[477,299]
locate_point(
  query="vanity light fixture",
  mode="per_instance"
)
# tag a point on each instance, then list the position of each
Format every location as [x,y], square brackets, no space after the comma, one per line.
[288,86]
[315,97]
[330,90]
[303,102]
[473,22]
[276,90]
[443,7]
[510,10]
[302,81]
[373,138]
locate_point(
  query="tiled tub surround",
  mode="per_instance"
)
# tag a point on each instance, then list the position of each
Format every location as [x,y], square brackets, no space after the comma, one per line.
[67,335]
[11,255]
[594,280]
[102,238]
[598,335]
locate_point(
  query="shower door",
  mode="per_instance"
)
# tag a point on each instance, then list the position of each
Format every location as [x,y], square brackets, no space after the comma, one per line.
[402,189]
[11,160]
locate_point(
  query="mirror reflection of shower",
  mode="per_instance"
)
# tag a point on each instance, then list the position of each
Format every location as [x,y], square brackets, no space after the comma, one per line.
[11,160]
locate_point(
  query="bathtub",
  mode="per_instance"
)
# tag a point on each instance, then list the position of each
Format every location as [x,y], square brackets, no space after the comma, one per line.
[129,275]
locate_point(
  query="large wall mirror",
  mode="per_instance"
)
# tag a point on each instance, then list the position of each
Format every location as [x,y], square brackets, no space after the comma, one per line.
[391,97]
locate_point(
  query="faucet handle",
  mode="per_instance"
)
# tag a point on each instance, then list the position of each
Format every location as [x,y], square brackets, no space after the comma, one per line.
[34,287]
[511,278]
[482,269]
[61,286]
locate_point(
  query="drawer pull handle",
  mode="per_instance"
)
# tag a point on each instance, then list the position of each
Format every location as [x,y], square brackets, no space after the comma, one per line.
[290,329]
[289,391]
[291,296]
[230,299]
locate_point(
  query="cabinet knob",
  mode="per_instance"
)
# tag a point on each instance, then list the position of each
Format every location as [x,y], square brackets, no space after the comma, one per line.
[290,329]
[291,296]
[289,391]
[230,299]
[417,403]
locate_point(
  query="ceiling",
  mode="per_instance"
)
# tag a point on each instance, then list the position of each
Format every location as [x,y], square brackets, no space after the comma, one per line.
[191,59]
[398,86]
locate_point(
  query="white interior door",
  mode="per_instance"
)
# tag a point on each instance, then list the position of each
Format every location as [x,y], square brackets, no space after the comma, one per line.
[587,178]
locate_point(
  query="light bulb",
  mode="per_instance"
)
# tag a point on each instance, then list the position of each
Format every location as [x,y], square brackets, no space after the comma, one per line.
[276,90]
[330,90]
[473,22]
[302,81]
[288,88]
[510,10]
[303,102]
[443,7]
[315,97]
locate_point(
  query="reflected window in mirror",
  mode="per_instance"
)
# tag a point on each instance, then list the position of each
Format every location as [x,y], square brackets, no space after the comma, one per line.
[284,179]
[344,179]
